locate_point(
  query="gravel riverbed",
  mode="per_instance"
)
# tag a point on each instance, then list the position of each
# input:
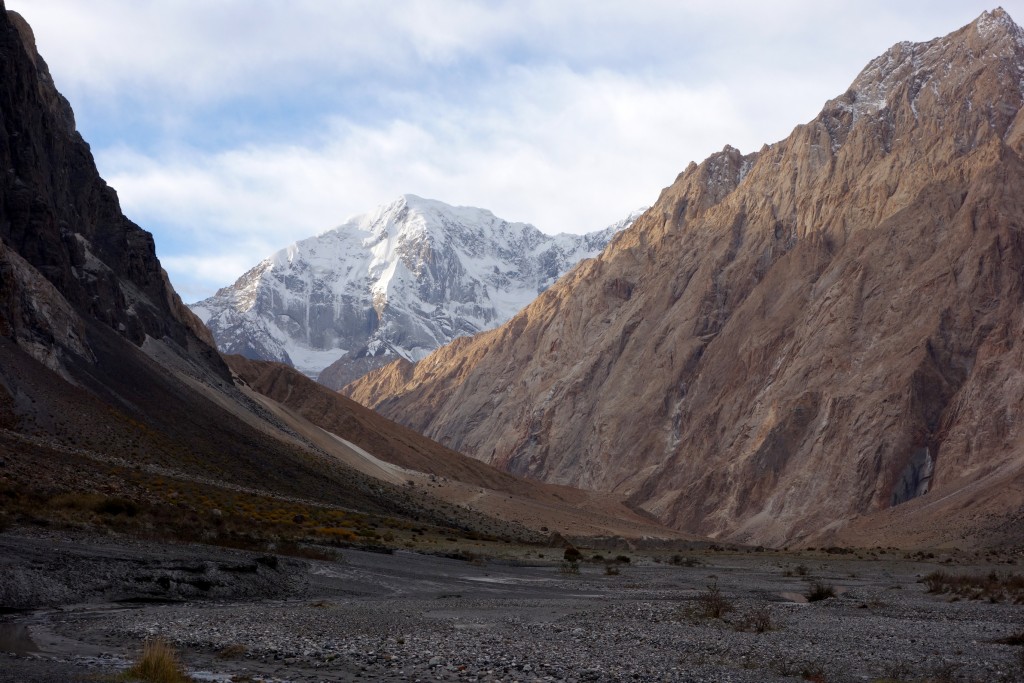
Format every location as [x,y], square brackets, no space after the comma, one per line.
[409,617]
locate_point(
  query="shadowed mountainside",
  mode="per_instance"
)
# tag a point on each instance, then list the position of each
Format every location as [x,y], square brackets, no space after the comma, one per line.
[115,409]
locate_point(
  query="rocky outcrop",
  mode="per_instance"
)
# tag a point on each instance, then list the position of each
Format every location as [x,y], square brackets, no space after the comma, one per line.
[394,283]
[64,223]
[788,339]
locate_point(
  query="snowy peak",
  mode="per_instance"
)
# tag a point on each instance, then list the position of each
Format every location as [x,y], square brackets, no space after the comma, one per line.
[398,281]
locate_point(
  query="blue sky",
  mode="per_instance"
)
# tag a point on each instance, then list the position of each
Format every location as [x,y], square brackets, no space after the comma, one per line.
[231,128]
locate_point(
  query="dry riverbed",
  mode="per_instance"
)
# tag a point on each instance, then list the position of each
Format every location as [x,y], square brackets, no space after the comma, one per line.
[235,616]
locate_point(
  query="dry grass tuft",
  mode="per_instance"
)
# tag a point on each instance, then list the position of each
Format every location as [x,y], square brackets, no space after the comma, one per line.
[158,664]
[233,651]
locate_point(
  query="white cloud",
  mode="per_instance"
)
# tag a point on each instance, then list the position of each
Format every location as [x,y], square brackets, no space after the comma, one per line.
[566,151]
[566,114]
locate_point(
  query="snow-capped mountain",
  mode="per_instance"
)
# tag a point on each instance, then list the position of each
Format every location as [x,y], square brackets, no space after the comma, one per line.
[398,282]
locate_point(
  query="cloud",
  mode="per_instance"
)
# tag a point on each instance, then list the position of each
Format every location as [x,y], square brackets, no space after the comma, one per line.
[231,129]
[203,50]
[566,151]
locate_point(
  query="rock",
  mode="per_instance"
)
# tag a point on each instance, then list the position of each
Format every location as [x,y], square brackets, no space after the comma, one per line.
[66,245]
[789,338]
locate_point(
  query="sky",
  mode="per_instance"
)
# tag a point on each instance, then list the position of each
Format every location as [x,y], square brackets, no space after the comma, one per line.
[232,128]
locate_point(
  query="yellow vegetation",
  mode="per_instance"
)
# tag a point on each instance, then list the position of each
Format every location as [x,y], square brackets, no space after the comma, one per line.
[158,664]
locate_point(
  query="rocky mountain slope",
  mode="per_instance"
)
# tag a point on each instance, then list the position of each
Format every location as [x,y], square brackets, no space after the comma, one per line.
[395,283]
[66,247]
[389,451]
[118,414]
[116,411]
[107,382]
[824,330]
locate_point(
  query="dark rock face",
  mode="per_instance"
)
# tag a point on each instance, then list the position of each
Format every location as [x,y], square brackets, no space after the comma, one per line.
[789,339]
[58,215]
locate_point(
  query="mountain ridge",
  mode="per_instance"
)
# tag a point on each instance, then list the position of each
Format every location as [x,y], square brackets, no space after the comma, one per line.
[395,282]
[770,353]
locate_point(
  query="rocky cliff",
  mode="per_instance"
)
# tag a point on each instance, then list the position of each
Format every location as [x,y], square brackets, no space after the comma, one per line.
[110,388]
[789,339]
[395,283]
[63,223]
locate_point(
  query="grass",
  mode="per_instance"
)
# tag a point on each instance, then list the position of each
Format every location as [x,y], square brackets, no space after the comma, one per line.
[993,587]
[234,651]
[157,507]
[134,500]
[158,664]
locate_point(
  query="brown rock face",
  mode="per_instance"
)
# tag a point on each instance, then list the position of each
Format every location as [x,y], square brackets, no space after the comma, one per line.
[788,339]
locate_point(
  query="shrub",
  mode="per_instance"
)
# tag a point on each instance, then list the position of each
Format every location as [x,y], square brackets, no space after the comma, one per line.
[158,664]
[611,570]
[117,506]
[813,673]
[992,586]
[820,591]
[572,555]
[758,620]
[936,582]
[712,604]
[569,568]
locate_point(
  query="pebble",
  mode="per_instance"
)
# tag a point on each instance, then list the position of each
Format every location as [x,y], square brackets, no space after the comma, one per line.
[410,617]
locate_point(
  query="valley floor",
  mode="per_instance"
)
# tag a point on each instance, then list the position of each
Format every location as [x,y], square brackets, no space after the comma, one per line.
[408,617]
